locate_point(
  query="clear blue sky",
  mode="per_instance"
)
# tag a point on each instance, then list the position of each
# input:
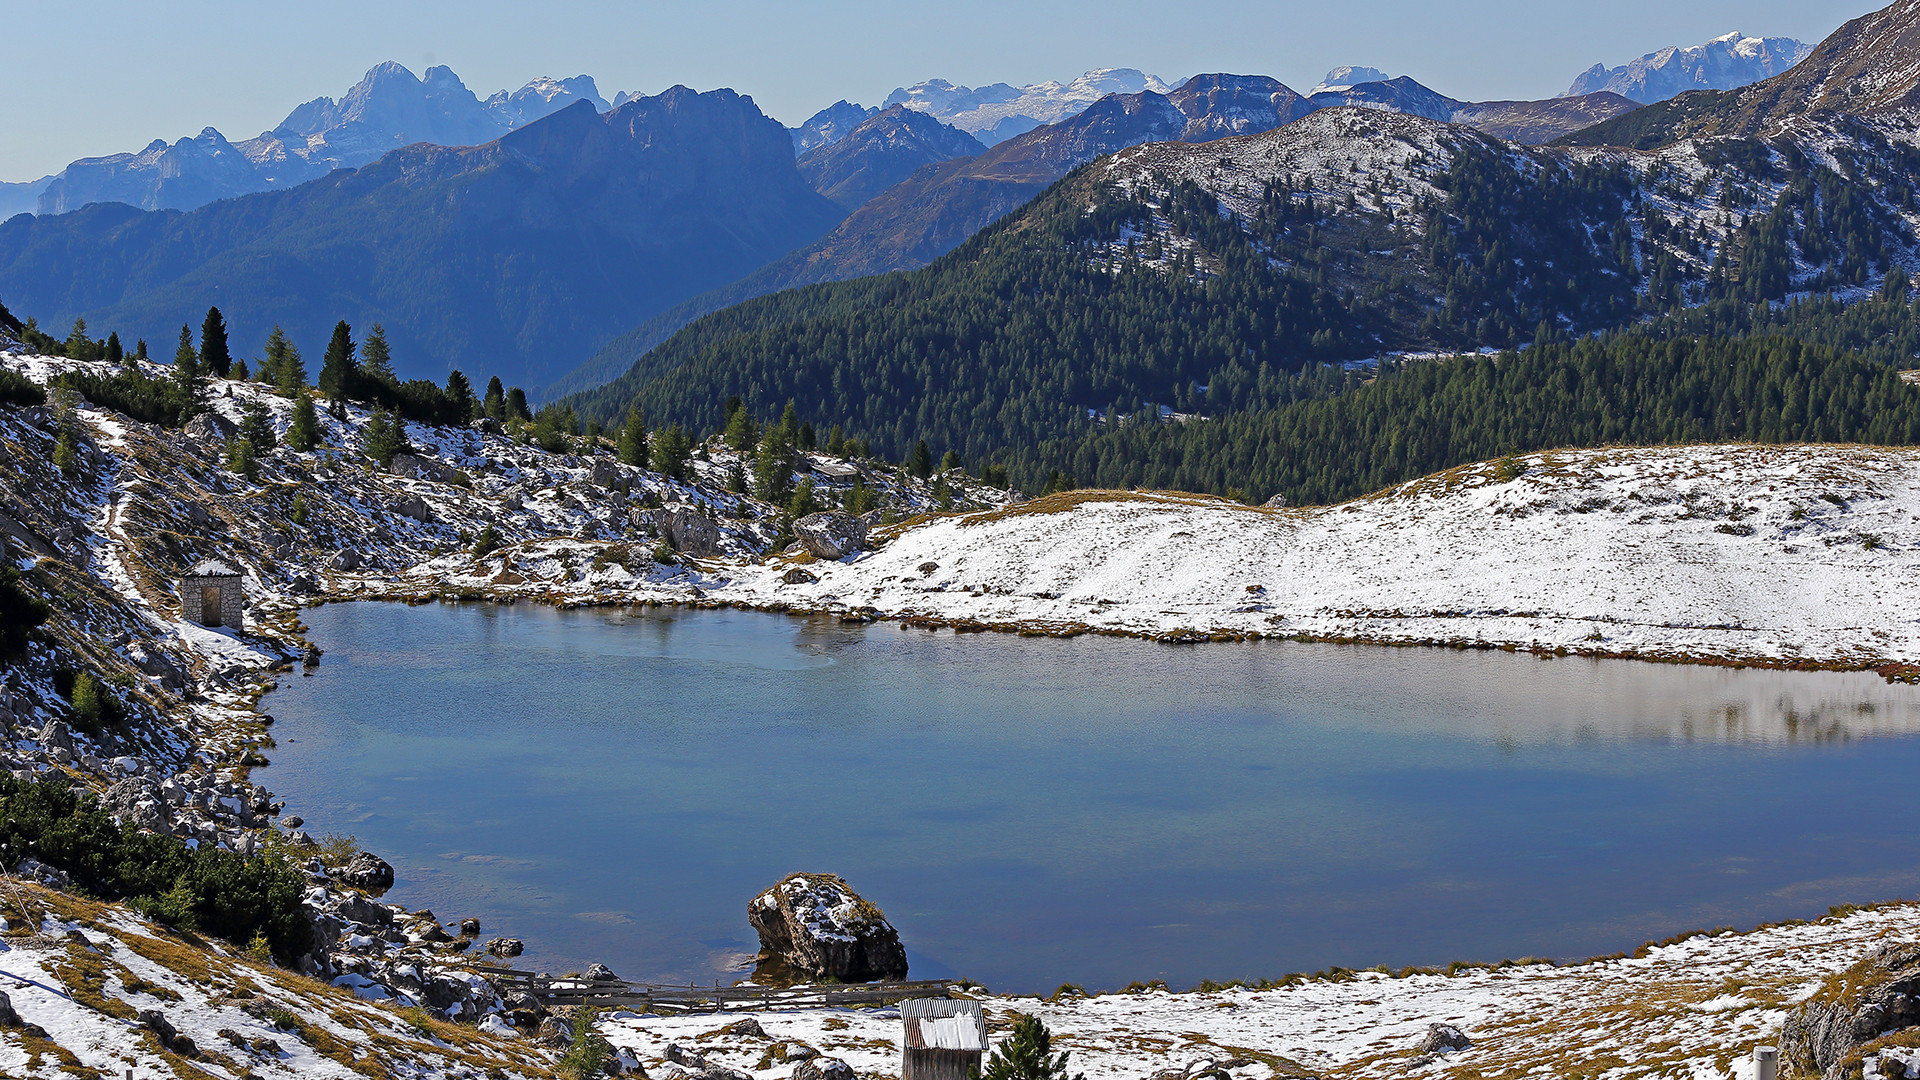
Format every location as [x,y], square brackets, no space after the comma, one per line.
[89,77]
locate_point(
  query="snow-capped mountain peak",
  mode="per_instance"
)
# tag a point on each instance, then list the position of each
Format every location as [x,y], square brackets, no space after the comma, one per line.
[1727,62]
[999,112]
[1348,76]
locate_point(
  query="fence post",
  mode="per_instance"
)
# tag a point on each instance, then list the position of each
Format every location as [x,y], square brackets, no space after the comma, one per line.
[1766,1063]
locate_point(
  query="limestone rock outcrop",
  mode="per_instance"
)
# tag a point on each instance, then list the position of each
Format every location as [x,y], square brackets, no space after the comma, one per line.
[1875,997]
[820,928]
[831,534]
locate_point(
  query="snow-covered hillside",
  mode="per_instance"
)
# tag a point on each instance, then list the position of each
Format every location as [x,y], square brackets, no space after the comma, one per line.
[1802,554]
[1694,1008]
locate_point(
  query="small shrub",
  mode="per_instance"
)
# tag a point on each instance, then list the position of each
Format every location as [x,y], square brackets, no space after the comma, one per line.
[1799,514]
[260,950]
[589,1055]
[1027,1055]
[663,554]
[1870,541]
[17,389]
[336,849]
[486,543]
[301,513]
[1510,468]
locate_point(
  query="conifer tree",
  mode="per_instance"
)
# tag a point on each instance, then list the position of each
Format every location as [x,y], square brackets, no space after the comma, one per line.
[1027,1055]
[671,449]
[376,359]
[188,384]
[632,444]
[740,434]
[385,437]
[339,371]
[20,611]
[922,463]
[517,405]
[495,403]
[289,370]
[460,397]
[256,427]
[115,351]
[837,442]
[214,354]
[78,346]
[303,434]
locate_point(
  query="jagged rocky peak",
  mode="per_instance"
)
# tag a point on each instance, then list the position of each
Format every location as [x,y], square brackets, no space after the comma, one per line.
[999,112]
[1727,62]
[1347,76]
[829,125]
[545,96]
[881,151]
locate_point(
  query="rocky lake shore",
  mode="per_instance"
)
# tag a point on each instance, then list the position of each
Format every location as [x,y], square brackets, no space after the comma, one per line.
[1782,556]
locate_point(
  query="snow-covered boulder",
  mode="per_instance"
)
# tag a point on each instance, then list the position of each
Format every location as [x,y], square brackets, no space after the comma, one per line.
[209,426]
[1876,997]
[831,534]
[821,928]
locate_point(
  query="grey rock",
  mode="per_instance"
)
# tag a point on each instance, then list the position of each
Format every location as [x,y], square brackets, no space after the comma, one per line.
[798,576]
[831,534]
[415,507]
[56,734]
[416,467]
[601,973]
[554,1032]
[8,1018]
[346,560]
[819,926]
[680,1055]
[605,473]
[691,533]
[823,1068]
[748,1028]
[873,519]
[1442,1039]
[209,425]
[487,424]
[504,947]
[1278,502]
[1882,997]
[366,871]
[469,927]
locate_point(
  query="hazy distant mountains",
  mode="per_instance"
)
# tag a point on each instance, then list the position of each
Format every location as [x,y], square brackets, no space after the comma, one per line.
[516,257]
[1725,63]
[386,110]
[996,113]
[881,151]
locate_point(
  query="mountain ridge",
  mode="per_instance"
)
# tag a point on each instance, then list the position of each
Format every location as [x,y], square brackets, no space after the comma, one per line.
[511,256]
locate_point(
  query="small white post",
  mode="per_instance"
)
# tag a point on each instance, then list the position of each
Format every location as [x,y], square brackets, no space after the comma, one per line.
[1766,1063]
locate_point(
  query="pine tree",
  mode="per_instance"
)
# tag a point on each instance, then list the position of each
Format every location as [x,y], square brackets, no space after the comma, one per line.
[214,354]
[1028,1055]
[517,405]
[949,461]
[303,434]
[339,371]
[188,383]
[376,360]
[740,434]
[240,458]
[671,449]
[773,467]
[922,463]
[116,353]
[289,370]
[632,444]
[495,403]
[256,427]
[837,442]
[385,437]
[78,345]
[460,397]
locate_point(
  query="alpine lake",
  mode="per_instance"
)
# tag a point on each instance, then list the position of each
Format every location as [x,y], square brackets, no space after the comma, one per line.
[615,785]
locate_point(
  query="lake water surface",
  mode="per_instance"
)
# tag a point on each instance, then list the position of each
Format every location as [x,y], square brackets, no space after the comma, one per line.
[617,786]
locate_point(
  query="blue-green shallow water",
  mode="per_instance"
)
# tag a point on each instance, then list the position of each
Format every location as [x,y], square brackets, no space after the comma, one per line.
[1028,812]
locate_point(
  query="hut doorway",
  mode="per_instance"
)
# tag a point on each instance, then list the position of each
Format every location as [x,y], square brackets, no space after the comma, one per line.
[210,605]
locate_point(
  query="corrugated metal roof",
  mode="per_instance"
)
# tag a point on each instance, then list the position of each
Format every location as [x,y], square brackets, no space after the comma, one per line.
[212,568]
[946,1033]
[944,1024]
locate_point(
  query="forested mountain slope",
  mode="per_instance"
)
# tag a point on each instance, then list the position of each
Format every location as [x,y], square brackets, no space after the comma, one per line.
[515,257]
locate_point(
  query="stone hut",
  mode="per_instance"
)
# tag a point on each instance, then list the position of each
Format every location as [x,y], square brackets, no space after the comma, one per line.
[211,595]
[945,1038]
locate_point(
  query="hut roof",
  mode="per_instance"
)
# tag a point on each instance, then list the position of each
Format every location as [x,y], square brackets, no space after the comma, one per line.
[944,1024]
[211,568]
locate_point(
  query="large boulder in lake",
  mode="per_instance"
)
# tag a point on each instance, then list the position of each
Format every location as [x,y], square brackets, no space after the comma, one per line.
[1878,996]
[833,534]
[821,929]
